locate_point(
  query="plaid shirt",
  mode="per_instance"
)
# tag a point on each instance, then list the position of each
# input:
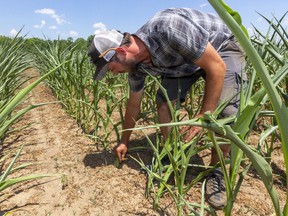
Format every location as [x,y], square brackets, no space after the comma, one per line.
[176,38]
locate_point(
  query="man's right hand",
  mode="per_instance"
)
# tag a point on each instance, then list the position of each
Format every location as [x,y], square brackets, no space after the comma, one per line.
[120,151]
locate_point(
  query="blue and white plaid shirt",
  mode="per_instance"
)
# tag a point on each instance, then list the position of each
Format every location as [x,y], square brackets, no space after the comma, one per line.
[176,38]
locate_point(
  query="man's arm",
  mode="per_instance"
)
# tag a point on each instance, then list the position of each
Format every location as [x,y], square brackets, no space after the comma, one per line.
[131,114]
[215,70]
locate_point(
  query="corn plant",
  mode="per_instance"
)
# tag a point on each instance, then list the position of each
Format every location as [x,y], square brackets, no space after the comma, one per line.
[90,103]
[279,108]
[7,118]
[14,61]
[6,182]
[272,47]
[68,83]
[5,113]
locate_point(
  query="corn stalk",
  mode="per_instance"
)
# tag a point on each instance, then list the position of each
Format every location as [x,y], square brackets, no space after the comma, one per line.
[281,112]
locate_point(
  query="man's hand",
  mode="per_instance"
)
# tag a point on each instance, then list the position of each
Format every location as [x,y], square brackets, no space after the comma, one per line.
[190,132]
[120,151]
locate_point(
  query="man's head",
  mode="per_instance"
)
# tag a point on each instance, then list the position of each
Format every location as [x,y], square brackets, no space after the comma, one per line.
[102,49]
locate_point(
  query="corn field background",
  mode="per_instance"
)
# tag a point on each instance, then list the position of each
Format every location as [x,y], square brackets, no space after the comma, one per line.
[59,127]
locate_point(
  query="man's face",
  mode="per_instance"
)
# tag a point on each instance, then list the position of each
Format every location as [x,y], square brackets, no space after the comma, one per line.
[123,64]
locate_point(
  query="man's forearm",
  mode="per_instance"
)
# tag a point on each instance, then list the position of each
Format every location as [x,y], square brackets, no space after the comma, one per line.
[213,89]
[131,115]
[215,69]
[129,122]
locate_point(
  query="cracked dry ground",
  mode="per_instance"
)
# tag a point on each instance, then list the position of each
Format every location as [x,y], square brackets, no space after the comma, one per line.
[88,183]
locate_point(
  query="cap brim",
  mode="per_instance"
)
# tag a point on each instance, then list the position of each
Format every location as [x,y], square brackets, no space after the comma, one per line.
[100,72]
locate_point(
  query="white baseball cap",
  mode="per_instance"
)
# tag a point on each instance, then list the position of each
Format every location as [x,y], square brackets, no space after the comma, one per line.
[102,49]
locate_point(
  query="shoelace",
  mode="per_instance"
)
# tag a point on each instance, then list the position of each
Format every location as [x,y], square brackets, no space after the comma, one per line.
[217,181]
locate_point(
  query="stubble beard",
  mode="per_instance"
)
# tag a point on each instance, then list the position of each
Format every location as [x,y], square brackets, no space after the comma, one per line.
[131,65]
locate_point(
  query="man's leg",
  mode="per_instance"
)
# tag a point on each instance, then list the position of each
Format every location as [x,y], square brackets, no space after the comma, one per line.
[164,116]
[176,90]
[234,59]
[215,191]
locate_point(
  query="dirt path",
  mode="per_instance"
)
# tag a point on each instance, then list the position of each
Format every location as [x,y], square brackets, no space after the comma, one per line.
[88,182]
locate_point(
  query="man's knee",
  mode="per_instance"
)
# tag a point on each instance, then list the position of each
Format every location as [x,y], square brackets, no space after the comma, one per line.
[230,110]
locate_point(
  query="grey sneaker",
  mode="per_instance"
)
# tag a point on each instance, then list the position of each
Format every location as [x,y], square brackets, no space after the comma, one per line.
[215,191]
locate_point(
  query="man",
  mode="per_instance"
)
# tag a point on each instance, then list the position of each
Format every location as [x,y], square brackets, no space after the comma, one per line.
[180,45]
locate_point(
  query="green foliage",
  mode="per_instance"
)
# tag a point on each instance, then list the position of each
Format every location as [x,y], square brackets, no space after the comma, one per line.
[279,108]
[89,40]
[91,103]
[6,182]
[14,61]
[81,43]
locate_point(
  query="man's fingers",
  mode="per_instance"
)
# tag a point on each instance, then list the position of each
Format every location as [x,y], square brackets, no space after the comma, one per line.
[185,132]
[190,135]
[119,156]
[123,157]
[184,129]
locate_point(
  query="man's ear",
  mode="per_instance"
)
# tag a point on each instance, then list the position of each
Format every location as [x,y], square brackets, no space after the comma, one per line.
[121,51]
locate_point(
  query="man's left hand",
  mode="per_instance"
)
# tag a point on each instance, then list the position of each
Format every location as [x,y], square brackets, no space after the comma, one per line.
[190,132]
